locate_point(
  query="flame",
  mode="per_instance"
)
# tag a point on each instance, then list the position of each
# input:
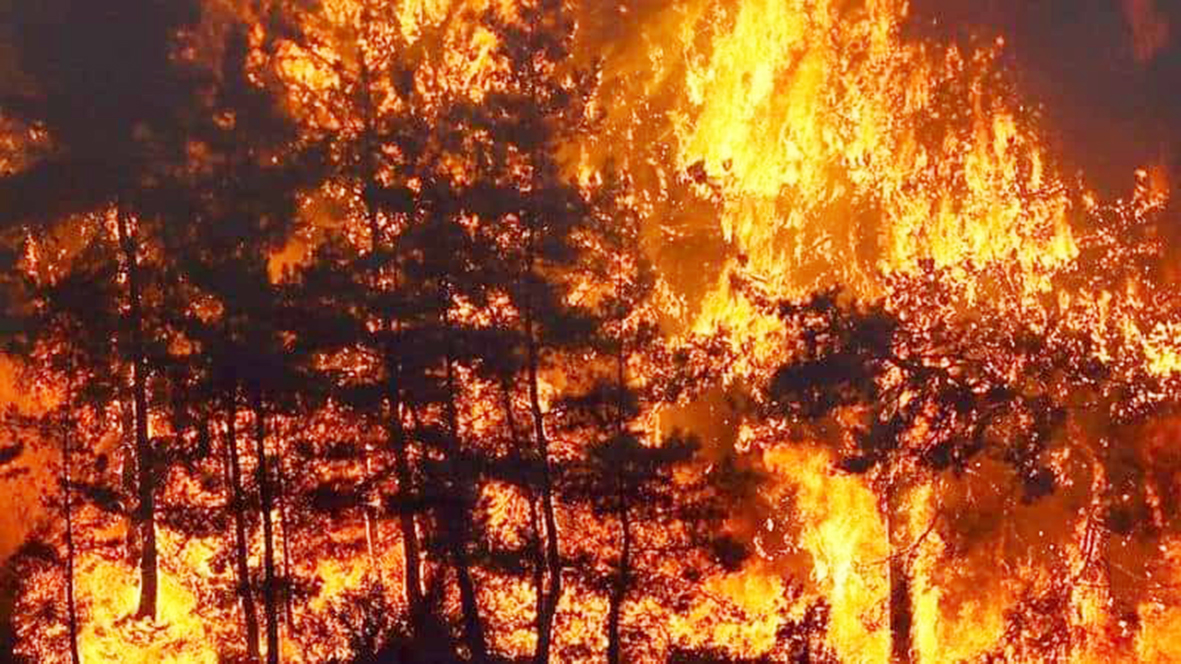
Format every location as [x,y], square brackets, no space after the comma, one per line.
[1156,641]
[839,152]
[843,150]
[844,537]
[824,147]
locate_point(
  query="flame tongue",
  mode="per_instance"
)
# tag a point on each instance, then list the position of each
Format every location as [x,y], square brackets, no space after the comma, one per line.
[811,144]
[844,152]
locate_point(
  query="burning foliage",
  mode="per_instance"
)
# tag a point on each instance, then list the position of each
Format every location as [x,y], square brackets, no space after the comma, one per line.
[452,330]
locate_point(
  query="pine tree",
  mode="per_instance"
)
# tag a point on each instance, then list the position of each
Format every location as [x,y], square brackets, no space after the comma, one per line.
[120,113]
[927,394]
[233,209]
[440,240]
[663,512]
[75,377]
[531,213]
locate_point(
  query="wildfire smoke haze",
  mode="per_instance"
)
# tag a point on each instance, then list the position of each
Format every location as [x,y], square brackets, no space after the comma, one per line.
[694,331]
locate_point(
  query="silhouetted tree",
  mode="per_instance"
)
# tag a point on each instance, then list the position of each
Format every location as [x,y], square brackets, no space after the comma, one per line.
[232,208]
[532,215]
[123,102]
[465,209]
[919,395]
[358,305]
[71,374]
[663,527]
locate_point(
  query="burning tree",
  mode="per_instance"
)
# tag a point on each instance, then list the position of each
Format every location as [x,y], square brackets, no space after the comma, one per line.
[908,396]
[118,169]
[463,283]
[300,279]
[663,504]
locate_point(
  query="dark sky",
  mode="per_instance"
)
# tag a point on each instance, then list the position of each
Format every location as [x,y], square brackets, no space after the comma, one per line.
[1106,109]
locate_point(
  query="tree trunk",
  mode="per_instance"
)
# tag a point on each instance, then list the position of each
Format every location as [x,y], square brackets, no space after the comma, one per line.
[370,511]
[285,525]
[71,606]
[473,628]
[536,553]
[901,613]
[268,537]
[552,550]
[901,608]
[458,521]
[619,591]
[149,580]
[128,474]
[238,509]
[623,574]
[412,573]
[370,176]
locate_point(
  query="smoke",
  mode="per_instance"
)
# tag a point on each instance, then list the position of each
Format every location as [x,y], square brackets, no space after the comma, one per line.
[1101,73]
[1150,28]
[102,81]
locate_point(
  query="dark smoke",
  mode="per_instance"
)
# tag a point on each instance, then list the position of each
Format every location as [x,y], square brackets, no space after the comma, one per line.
[1111,103]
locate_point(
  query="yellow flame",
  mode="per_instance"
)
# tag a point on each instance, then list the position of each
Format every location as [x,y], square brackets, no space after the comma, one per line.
[813,114]
[845,538]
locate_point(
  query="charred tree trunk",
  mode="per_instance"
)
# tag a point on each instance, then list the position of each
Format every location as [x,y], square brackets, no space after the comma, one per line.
[128,472]
[71,606]
[623,574]
[238,509]
[473,627]
[552,550]
[901,613]
[370,177]
[372,533]
[285,525]
[411,556]
[619,591]
[146,512]
[901,607]
[536,552]
[458,522]
[270,602]
[553,558]
[412,572]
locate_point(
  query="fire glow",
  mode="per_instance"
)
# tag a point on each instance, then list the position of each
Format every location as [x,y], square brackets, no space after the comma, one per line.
[696,331]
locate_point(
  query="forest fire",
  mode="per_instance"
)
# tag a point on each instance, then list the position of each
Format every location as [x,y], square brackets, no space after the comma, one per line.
[563,330]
